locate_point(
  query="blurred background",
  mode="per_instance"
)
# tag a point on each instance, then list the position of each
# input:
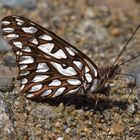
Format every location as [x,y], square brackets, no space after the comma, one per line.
[100,29]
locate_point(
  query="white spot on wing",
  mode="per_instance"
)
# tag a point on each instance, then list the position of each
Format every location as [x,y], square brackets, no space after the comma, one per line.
[59,54]
[86,69]
[19,21]
[42,67]
[5,22]
[59,91]
[72,91]
[13,36]
[55,83]
[88,77]
[35,88]
[30,29]
[8,30]
[22,67]
[18,53]
[34,41]
[70,51]
[46,93]
[92,67]
[74,81]
[26,60]
[45,37]
[30,95]
[78,64]
[39,78]
[68,71]
[26,49]
[24,81]
[18,44]
[46,47]
[22,87]
[24,73]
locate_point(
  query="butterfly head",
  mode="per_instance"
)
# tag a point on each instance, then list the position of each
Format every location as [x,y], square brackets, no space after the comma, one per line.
[109,72]
[113,71]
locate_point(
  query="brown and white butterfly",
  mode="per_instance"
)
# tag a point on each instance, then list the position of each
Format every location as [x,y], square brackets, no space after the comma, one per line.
[49,66]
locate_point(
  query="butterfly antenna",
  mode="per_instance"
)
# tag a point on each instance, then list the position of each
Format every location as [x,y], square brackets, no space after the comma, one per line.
[128,60]
[125,46]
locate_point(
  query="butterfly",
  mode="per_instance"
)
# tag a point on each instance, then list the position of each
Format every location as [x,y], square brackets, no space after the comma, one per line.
[49,66]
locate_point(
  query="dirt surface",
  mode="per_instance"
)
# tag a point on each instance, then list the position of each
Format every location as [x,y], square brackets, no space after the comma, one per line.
[100,29]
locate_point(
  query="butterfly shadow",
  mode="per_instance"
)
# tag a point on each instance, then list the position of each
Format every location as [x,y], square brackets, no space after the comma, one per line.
[85,103]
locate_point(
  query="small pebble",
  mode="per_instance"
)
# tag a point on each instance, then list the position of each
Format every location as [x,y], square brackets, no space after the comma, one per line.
[131,109]
[67,130]
[60,138]
[115,32]
[116,128]
[61,106]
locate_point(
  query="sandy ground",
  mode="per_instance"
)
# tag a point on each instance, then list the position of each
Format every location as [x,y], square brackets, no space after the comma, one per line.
[99,29]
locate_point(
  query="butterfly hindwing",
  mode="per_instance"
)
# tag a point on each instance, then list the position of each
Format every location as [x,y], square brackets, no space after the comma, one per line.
[48,65]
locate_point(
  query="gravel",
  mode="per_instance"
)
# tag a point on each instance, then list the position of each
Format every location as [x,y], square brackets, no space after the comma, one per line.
[100,30]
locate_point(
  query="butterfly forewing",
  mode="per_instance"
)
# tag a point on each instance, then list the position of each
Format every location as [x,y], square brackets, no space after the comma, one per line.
[48,65]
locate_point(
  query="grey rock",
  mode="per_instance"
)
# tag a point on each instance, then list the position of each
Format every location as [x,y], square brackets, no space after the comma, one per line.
[6,79]
[7,129]
[9,61]
[4,45]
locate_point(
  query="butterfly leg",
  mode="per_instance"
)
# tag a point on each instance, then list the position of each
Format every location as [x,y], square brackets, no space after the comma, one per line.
[94,105]
[72,100]
[67,104]
[106,92]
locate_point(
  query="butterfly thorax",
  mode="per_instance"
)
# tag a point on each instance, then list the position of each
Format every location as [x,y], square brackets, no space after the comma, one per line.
[104,74]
